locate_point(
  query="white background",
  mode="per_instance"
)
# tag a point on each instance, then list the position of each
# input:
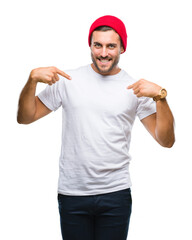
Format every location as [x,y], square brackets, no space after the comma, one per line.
[38,33]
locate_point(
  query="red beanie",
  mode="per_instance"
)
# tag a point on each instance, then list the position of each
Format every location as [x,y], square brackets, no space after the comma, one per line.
[112,22]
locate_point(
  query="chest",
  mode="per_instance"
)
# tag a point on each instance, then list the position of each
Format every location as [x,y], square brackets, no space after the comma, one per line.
[110,98]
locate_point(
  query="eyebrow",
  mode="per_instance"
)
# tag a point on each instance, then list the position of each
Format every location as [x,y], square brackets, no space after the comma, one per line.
[114,44]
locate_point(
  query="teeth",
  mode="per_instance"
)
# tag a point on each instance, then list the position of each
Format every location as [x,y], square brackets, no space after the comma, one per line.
[104,61]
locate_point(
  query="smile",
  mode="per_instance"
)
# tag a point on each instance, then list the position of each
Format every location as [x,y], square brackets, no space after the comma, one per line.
[104,61]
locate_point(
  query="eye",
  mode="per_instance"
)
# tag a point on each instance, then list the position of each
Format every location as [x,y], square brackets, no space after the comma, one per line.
[111,46]
[97,45]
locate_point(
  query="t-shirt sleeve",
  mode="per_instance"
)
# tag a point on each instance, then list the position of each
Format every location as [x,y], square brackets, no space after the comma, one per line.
[50,97]
[146,106]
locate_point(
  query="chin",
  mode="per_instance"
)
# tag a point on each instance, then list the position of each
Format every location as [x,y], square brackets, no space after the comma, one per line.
[105,70]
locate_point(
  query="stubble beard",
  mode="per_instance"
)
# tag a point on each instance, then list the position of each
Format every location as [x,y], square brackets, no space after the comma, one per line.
[105,71]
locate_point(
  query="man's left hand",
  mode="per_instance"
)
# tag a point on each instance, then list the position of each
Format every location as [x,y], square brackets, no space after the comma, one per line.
[144,88]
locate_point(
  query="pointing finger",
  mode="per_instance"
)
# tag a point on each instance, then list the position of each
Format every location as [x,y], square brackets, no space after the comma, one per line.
[63,74]
[134,85]
[130,86]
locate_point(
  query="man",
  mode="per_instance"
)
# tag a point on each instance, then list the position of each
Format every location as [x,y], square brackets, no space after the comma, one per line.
[99,102]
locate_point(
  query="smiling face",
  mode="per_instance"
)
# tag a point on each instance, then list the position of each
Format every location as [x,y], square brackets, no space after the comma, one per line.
[105,52]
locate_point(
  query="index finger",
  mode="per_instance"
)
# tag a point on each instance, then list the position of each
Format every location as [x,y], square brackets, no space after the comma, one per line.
[133,86]
[63,74]
[130,86]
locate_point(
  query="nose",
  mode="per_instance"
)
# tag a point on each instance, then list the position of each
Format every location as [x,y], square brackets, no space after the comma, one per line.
[104,52]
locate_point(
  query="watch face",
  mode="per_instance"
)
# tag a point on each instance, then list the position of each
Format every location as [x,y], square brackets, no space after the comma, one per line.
[163,93]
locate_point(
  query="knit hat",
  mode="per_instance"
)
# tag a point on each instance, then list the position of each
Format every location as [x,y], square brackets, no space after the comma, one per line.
[112,22]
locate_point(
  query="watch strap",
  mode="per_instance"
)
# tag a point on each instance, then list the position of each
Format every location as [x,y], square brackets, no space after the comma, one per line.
[162,94]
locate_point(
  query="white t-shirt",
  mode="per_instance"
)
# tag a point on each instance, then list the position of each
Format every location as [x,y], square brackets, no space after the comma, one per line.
[98,115]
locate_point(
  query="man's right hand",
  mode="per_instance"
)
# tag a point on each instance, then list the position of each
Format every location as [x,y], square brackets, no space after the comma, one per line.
[30,107]
[48,75]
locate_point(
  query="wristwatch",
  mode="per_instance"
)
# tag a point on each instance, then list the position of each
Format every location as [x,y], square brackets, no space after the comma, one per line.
[162,94]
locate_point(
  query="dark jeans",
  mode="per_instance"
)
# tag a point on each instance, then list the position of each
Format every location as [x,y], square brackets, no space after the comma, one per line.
[98,217]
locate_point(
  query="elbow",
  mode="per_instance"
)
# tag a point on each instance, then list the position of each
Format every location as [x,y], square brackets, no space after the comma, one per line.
[23,118]
[23,122]
[20,120]
[172,143]
[167,144]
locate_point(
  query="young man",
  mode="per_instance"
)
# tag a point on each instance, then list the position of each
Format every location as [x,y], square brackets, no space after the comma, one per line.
[99,102]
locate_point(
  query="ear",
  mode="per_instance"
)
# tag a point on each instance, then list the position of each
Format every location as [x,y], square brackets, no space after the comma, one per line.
[122,50]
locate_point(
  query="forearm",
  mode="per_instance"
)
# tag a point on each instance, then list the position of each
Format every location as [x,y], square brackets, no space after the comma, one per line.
[164,130]
[27,103]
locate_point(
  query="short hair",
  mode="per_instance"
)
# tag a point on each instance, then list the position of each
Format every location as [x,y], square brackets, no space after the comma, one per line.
[105,29]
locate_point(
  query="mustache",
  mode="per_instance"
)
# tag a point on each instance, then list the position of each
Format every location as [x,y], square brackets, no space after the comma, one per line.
[104,58]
